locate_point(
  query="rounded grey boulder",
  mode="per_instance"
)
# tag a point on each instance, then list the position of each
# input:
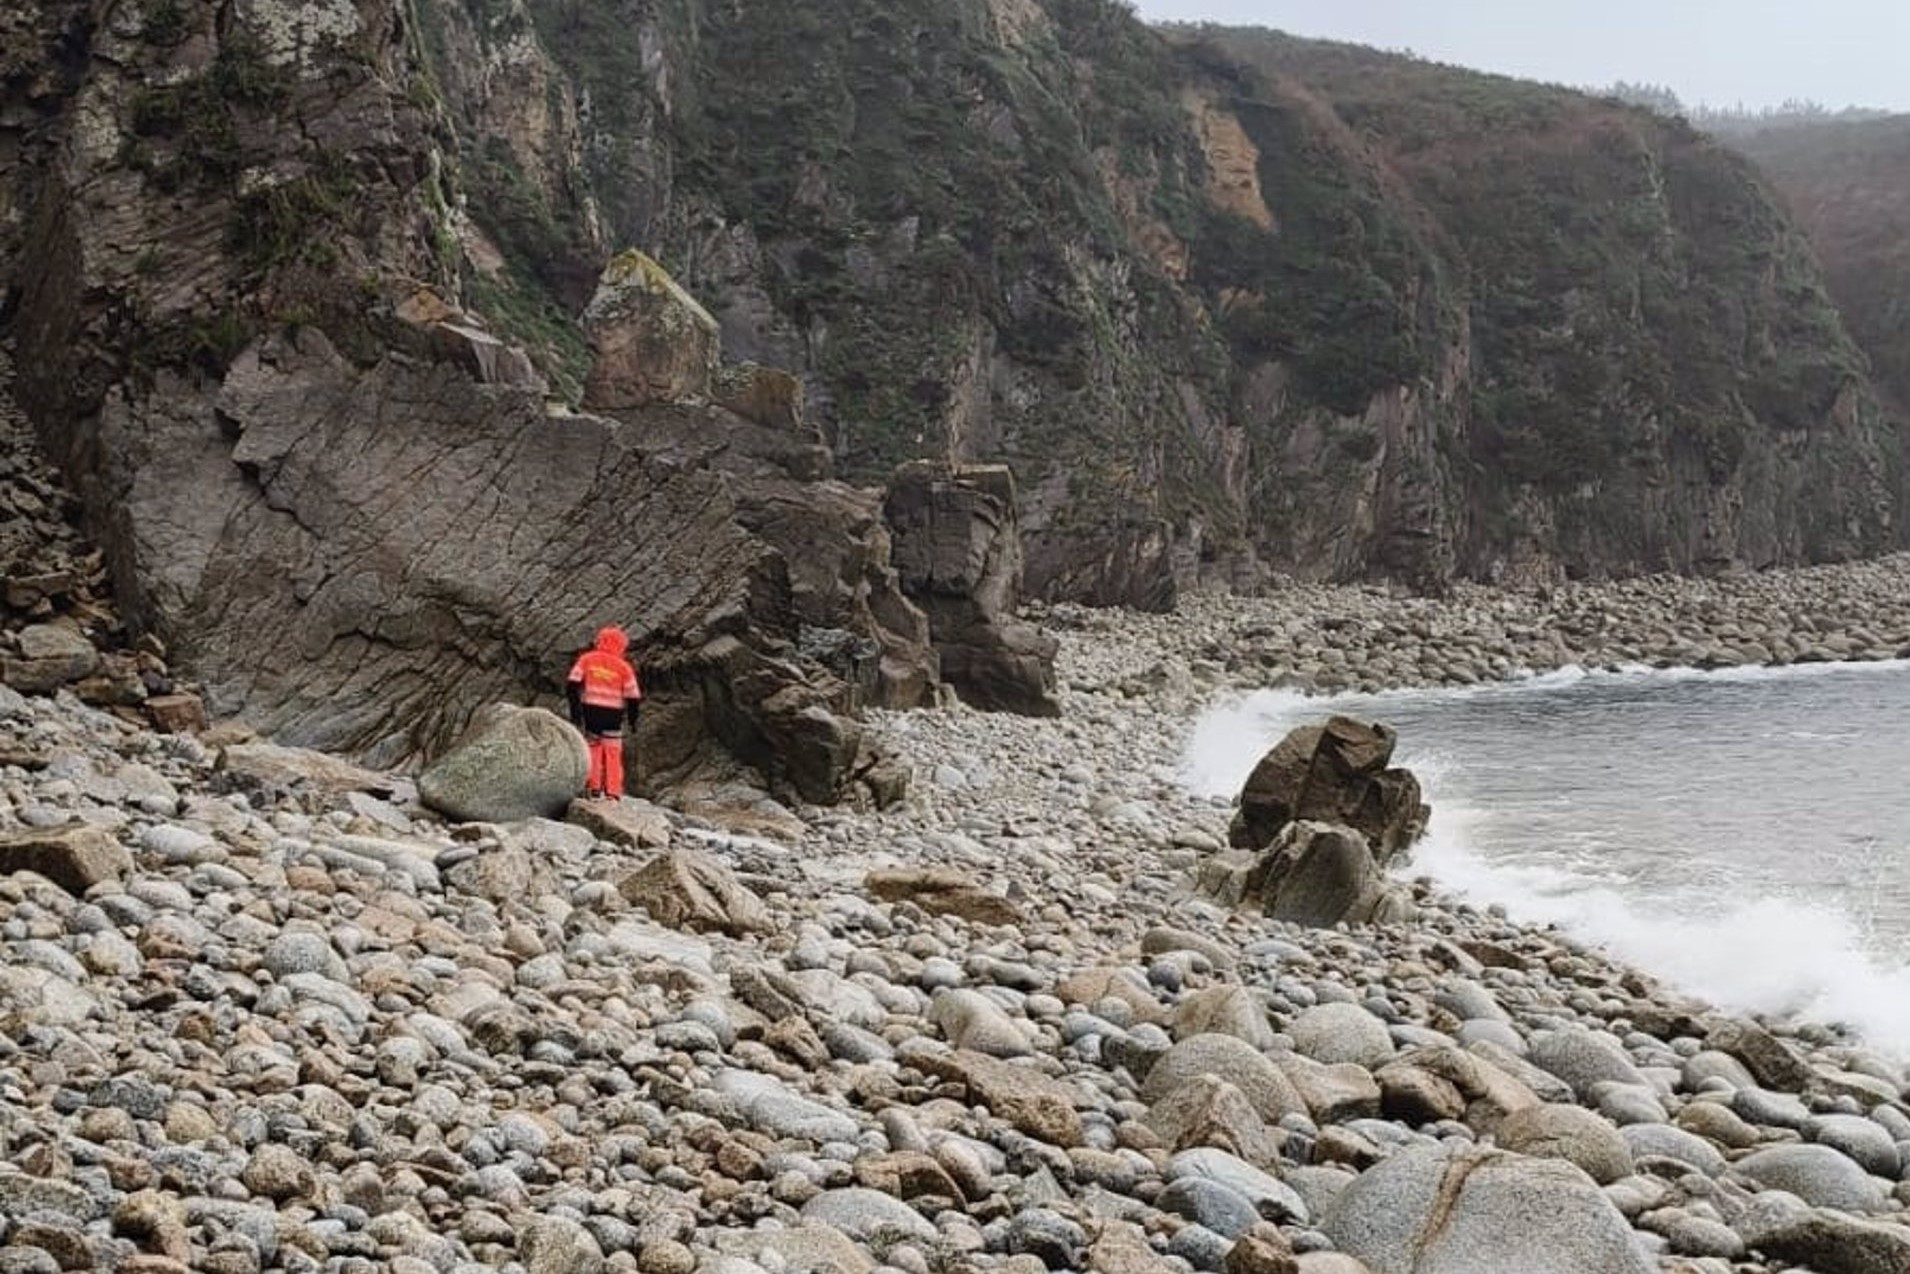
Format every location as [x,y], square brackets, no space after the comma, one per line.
[1819,1175]
[1455,1209]
[1266,1087]
[1341,1033]
[1571,1133]
[1583,1058]
[512,764]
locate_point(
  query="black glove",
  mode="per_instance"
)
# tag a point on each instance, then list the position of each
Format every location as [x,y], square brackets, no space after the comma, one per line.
[631,708]
[573,693]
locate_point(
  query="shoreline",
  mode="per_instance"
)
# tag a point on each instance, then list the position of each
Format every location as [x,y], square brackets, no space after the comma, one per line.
[312,1027]
[1328,638]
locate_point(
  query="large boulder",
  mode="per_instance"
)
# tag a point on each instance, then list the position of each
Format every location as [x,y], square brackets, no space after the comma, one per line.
[1324,874]
[1271,1094]
[1782,1227]
[1208,1111]
[957,551]
[49,656]
[1586,1140]
[650,341]
[1461,1209]
[1338,772]
[513,763]
[1818,1175]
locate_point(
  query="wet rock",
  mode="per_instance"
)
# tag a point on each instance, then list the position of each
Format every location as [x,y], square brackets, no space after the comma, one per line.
[1336,773]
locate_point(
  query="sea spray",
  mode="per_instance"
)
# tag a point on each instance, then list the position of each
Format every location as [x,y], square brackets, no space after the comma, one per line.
[1731,833]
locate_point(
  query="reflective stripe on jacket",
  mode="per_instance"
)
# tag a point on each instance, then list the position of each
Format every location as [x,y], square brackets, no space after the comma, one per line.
[607,680]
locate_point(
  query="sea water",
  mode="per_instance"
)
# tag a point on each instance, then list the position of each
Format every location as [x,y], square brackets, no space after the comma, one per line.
[1743,835]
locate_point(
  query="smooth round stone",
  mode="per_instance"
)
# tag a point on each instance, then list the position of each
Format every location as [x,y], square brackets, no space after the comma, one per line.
[1200,1247]
[300,951]
[1717,1122]
[939,972]
[1491,1031]
[866,1215]
[1041,1232]
[688,1037]
[1772,1110]
[1208,1203]
[715,1017]
[1667,1142]
[1860,1139]
[1270,1197]
[542,972]
[1629,1104]
[1468,1001]
[1818,1175]
[1689,1235]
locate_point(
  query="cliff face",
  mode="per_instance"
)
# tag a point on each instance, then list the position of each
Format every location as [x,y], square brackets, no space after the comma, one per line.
[343,503]
[1224,301]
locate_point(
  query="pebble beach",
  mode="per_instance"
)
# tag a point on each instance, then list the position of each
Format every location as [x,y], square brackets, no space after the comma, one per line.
[267,1012]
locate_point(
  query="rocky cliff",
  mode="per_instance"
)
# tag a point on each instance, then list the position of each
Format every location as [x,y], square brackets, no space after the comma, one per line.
[348,507]
[1218,302]
[1222,300]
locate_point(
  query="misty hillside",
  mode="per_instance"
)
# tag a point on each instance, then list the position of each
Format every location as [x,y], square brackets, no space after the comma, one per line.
[1848,183]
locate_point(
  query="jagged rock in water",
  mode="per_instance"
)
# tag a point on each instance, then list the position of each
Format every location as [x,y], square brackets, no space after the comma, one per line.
[958,553]
[1335,773]
[1320,874]
[513,763]
[650,341]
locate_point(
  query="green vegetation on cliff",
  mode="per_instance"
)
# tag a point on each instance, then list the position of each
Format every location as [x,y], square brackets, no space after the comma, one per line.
[1343,312]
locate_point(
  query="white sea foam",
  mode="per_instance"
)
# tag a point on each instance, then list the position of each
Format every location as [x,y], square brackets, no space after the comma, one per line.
[1750,948]
[1777,955]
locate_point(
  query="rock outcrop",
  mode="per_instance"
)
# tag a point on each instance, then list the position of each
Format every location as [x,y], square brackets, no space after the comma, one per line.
[341,497]
[1353,349]
[958,556]
[1339,772]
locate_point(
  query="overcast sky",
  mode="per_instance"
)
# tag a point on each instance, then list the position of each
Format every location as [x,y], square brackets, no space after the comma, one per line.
[1711,52]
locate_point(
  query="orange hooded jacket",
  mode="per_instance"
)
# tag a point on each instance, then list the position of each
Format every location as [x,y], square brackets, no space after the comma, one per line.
[602,677]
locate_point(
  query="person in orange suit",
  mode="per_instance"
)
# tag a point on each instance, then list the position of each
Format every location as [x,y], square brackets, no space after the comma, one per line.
[604,693]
